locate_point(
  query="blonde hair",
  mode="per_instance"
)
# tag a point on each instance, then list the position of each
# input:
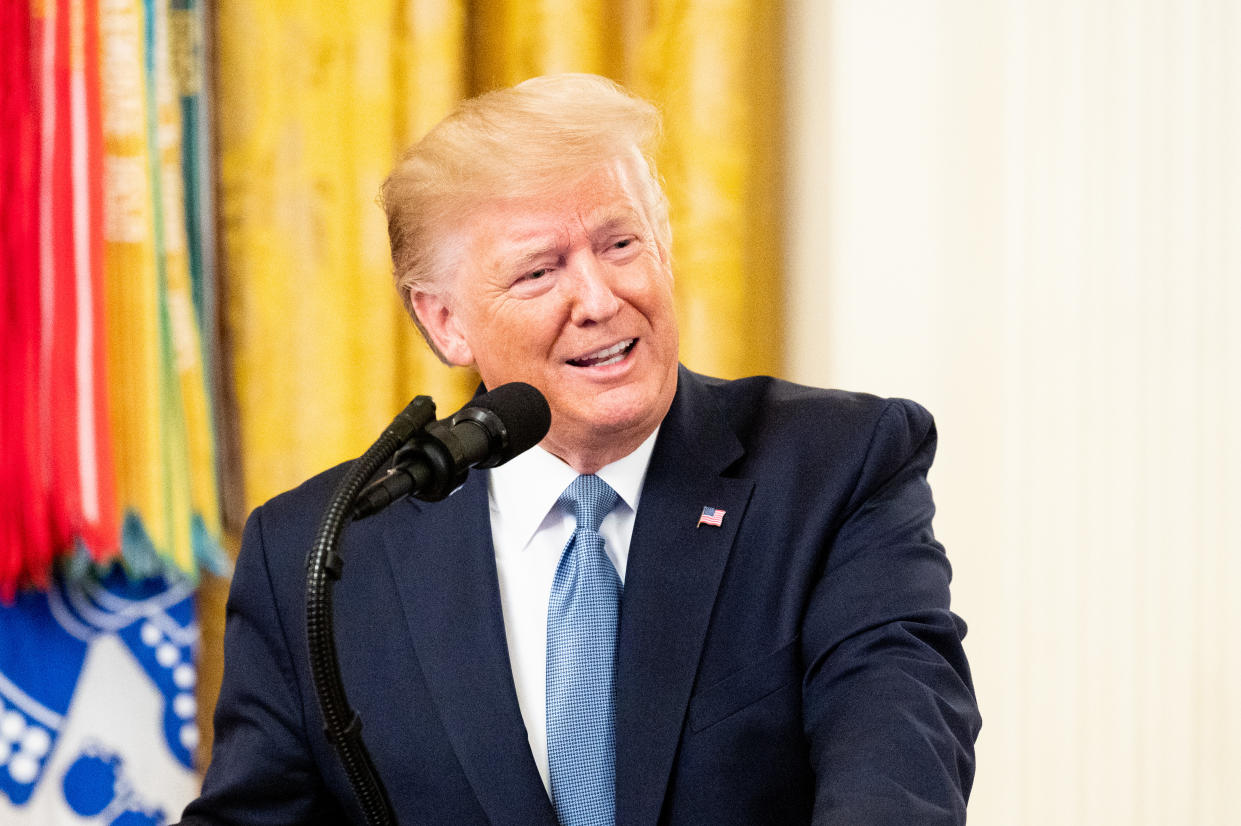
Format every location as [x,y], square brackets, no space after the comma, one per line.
[515,143]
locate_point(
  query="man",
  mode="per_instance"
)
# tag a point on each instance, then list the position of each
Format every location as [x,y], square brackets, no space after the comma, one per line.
[697,601]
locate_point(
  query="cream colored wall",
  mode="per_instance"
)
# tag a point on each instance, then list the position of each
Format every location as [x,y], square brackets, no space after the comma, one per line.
[1027,216]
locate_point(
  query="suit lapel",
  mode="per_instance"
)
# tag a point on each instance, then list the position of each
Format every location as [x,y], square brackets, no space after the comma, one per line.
[445,570]
[673,574]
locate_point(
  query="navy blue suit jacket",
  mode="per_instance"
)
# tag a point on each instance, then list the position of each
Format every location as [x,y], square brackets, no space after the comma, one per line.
[797,664]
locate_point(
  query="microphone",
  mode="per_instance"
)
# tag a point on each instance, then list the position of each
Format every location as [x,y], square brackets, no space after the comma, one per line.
[488,431]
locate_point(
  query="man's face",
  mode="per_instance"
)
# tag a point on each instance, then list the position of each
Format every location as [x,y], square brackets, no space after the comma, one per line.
[573,294]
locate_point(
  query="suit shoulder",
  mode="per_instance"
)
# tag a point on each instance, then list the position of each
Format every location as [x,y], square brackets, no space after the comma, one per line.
[311,496]
[783,408]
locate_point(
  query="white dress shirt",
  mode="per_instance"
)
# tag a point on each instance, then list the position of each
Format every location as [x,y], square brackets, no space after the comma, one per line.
[529,533]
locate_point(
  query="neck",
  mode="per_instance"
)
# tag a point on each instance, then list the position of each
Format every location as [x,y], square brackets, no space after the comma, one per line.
[592,458]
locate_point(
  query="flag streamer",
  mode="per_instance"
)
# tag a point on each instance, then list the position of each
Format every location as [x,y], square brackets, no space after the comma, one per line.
[108,495]
[107,440]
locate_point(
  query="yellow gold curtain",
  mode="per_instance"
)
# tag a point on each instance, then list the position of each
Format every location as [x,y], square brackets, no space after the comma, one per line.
[313,107]
[714,67]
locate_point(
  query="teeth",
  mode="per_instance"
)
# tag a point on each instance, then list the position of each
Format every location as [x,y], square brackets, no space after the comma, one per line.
[611,355]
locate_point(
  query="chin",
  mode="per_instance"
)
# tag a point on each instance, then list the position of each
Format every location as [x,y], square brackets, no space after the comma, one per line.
[625,418]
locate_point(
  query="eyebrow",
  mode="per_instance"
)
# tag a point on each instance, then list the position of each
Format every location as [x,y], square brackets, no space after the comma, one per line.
[526,250]
[525,260]
[610,221]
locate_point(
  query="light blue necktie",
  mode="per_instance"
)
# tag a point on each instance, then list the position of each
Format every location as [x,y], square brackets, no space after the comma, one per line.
[582,618]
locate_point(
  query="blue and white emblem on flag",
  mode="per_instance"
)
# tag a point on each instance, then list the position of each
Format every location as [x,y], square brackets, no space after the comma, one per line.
[97,705]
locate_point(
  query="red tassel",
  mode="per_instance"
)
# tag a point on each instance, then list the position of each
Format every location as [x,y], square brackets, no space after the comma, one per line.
[56,295]
[82,510]
[101,532]
[57,485]
[23,525]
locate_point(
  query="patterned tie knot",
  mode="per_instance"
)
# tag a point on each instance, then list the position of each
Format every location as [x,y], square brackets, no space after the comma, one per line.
[591,499]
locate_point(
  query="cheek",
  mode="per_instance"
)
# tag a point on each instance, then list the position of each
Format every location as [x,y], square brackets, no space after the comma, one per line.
[522,340]
[662,310]
[648,289]
[537,324]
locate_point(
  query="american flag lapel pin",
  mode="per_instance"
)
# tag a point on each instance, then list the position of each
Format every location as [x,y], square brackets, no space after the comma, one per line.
[710,516]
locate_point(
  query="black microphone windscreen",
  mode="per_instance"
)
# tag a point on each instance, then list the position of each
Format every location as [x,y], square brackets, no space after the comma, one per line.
[523,411]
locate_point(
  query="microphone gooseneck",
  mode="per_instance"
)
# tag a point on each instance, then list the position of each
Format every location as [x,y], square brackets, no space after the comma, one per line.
[341,724]
[434,458]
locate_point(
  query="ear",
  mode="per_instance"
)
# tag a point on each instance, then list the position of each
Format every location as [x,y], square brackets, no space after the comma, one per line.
[443,326]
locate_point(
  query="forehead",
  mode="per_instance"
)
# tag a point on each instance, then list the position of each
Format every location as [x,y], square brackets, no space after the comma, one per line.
[604,200]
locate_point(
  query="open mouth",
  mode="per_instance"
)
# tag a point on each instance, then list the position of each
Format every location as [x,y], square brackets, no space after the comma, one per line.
[610,355]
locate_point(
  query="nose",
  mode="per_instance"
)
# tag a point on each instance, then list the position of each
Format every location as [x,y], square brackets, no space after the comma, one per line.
[592,291]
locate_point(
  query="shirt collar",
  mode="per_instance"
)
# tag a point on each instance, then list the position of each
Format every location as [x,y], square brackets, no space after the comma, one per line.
[525,489]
